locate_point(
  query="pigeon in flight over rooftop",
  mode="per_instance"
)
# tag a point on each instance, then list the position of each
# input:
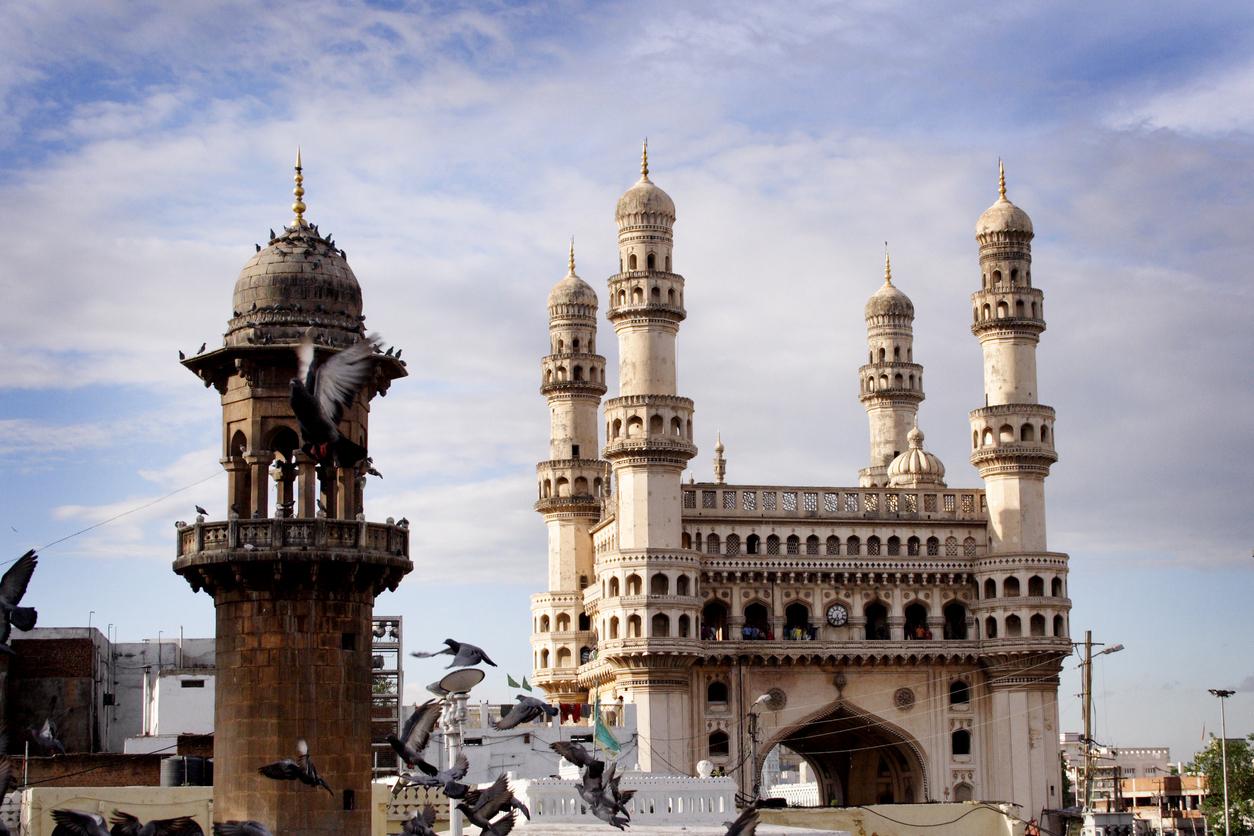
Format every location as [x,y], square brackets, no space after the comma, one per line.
[527,709]
[12,587]
[45,740]
[447,781]
[292,770]
[124,824]
[464,655]
[746,824]
[421,824]
[240,828]
[321,392]
[78,823]
[417,732]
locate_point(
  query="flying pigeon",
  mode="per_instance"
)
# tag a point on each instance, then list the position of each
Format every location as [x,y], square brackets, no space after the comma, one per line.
[527,709]
[290,770]
[12,588]
[446,780]
[599,785]
[240,828]
[78,823]
[370,469]
[321,393]
[464,655]
[746,824]
[495,799]
[416,733]
[45,740]
[421,824]
[124,824]
[575,753]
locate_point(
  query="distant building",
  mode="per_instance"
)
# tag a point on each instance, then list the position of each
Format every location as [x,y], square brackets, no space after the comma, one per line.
[1169,804]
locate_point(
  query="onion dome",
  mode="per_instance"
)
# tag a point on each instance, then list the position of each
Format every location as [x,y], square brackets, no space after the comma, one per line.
[572,290]
[300,280]
[644,202]
[916,466]
[1003,216]
[888,300]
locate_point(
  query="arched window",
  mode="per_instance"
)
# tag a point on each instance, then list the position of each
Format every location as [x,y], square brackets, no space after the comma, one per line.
[635,426]
[772,544]
[912,546]
[563,657]
[961,742]
[794,544]
[963,792]
[719,744]
[546,489]
[685,627]
[916,622]
[1014,276]
[578,373]
[833,544]
[713,621]
[986,311]
[894,545]
[1036,586]
[968,547]
[659,584]
[959,692]
[1044,434]
[655,293]
[584,622]
[990,628]
[899,381]
[655,425]
[872,545]
[988,436]
[1036,625]
[544,658]
[951,546]
[1014,626]
[996,277]
[563,486]
[716,692]
[614,627]
[812,544]
[677,426]
[975,439]
[634,584]
[1003,310]
[685,540]
[712,544]
[585,655]
[1006,434]
[757,622]
[797,621]
[933,546]
[660,627]
[876,621]
[1055,587]
[651,262]
[668,269]
[990,589]
[581,486]
[614,591]
[670,292]
[1060,627]
[617,428]
[1027,433]
[637,296]
[733,544]
[1010,587]
[563,622]
[753,544]
[622,295]
[544,624]
[683,585]
[631,262]
[883,355]
[853,546]
[955,621]
[633,626]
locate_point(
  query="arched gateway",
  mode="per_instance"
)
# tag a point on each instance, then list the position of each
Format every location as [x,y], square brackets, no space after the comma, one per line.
[857,758]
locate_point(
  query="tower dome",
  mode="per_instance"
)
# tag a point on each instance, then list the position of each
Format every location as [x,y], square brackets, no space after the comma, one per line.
[1003,216]
[644,202]
[888,300]
[572,290]
[916,466]
[299,280]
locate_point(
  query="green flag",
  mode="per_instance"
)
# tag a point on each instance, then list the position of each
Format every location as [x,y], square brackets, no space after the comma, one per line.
[525,685]
[510,681]
[600,732]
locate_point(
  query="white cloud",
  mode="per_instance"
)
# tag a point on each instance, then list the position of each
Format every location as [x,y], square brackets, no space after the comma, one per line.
[1219,102]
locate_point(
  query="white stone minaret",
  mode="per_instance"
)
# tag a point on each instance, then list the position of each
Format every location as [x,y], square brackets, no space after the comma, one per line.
[649,443]
[891,385]
[1024,631]
[1012,435]
[571,485]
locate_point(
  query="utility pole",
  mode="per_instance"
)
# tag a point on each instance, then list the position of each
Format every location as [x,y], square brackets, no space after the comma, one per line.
[1088,719]
[1223,694]
[753,736]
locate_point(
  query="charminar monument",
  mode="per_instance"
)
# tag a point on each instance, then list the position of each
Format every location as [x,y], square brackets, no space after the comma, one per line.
[901,635]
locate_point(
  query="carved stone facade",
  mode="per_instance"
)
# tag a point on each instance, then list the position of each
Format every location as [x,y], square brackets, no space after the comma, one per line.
[905,636]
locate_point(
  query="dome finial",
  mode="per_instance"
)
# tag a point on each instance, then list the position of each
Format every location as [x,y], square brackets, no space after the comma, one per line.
[1001,178]
[888,266]
[572,255]
[644,160]
[299,206]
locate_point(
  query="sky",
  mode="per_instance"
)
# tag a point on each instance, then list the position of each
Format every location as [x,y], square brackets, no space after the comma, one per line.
[454,149]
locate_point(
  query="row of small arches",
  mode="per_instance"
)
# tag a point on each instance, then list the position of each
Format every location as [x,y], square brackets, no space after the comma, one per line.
[959,692]
[870,357]
[1002,311]
[1006,434]
[560,346]
[558,375]
[634,427]
[899,381]
[562,486]
[1010,587]
[994,279]
[659,584]
[564,658]
[757,620]
[655,296]
[1012,627]
[659,627]
[650,262]
[753,544]
[562,623]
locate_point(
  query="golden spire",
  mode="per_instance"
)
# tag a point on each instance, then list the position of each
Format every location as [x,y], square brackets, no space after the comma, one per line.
[572,255]
[644,160]
[1001,178]
[888,266]
[299,206]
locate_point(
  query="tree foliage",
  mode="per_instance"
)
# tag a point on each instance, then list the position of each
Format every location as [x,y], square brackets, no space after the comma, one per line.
[1209,762]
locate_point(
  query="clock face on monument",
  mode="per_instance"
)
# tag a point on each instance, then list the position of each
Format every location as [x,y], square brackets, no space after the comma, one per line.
[837,615]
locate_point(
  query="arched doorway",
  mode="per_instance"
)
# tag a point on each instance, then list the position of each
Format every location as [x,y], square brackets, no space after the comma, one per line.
[857,758]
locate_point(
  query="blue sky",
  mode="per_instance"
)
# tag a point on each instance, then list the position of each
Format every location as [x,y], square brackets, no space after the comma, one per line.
[453,149]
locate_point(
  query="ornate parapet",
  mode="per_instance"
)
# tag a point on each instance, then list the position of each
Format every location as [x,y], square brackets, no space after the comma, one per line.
[293,553]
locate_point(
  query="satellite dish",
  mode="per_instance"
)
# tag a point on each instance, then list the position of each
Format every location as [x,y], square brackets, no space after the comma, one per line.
[459,681]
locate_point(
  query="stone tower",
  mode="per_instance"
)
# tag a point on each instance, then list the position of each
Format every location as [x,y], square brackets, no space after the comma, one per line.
[293,582]
[571,483]
[649,442]
[891,382]
[1012,439]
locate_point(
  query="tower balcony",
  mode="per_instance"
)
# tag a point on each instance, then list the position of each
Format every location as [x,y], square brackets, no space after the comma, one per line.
[646,294]
[573,374]
[652,427]
[292,552]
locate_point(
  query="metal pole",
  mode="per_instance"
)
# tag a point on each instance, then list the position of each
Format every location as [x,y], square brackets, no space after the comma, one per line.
[1088,717]
[1223,748]
[453,738]
[753,735]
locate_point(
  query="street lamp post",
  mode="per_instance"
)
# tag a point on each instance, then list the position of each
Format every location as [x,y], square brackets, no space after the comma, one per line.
[753,736]
[1223,694]
[1087,666]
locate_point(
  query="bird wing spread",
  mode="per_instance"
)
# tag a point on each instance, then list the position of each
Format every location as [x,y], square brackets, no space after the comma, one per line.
[746,824]
[124,824]
[418,727]
[283,770]
[427,768]
[177,826]
[79,823]
[573,752]
[304,361]
[460,767]
[495,797]
[428,815]
[13,584]
[337,380]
